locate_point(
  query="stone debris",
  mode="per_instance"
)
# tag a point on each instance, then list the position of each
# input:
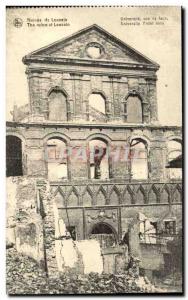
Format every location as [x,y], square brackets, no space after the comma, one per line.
[25,276]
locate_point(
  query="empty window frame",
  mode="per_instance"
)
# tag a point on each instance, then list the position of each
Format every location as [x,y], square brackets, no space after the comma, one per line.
[57,103]
[97,107]
[138,159]
[56,159]
[170,227]
[98,160]
[175,159]
[134,109]
[14,165]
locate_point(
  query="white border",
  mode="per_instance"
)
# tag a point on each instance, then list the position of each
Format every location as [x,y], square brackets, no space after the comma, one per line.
[4,3]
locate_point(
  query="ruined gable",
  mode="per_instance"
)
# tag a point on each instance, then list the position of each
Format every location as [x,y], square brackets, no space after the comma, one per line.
[78,48]
[92,43]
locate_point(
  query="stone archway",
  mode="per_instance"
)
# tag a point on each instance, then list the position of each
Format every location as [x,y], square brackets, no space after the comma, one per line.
[105,234]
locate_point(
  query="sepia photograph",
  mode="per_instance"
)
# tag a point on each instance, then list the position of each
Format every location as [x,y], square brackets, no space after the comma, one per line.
[94,150]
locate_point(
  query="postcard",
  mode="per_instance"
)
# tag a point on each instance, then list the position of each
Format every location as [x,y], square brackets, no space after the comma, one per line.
[94,150]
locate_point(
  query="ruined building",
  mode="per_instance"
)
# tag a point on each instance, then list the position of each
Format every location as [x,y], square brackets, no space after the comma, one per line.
[91,133]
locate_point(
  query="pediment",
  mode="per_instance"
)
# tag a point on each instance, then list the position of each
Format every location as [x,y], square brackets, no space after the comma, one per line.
[92,43]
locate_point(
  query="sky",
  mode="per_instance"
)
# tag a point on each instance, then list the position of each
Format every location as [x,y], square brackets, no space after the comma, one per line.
[160,43]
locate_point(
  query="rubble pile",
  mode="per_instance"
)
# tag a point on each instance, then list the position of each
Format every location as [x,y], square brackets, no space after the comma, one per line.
[24,276]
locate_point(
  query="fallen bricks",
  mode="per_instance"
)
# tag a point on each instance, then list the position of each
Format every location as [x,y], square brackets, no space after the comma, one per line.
[24,276]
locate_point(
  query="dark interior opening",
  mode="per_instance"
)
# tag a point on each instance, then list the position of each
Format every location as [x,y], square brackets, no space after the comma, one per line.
[101,229]
[104,235]
[13,156]
[72,231]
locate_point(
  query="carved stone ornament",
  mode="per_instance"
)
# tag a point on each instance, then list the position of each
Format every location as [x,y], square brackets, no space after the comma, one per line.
[101,216]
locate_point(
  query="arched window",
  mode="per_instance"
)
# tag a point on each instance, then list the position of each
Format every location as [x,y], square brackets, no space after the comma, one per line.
[56,159]
[98,159]
[97,107]
[134,109]
[175,159]
[57,106]
[138,159]
[103,233]
[13,156]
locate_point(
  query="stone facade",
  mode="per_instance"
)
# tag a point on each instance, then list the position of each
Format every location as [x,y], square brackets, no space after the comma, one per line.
[63,76]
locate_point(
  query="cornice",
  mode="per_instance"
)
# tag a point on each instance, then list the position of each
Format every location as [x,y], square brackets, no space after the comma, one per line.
[87,62]
[93,126]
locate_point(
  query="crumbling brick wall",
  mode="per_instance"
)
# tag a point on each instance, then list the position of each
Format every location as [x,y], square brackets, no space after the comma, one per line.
[24,223]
